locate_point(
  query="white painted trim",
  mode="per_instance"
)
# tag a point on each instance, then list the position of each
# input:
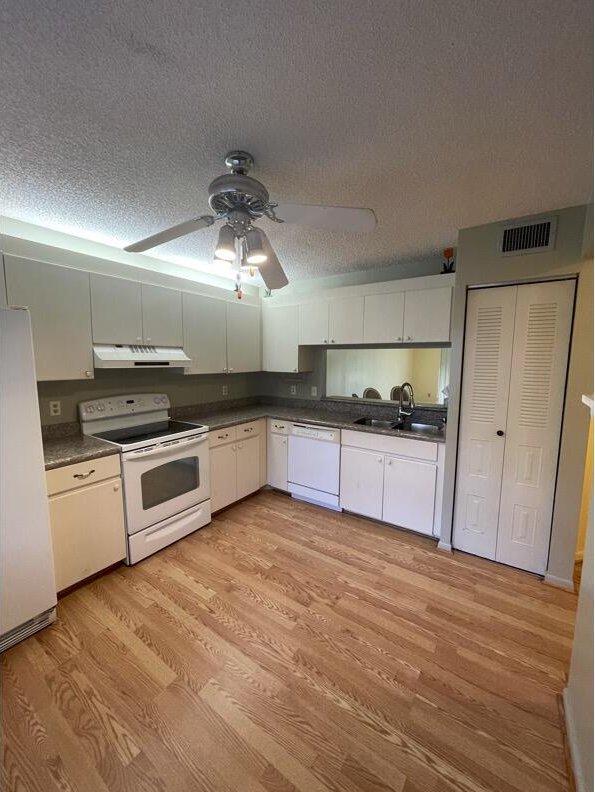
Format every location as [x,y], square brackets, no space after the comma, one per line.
[444,547]
[558,582]
[571,737]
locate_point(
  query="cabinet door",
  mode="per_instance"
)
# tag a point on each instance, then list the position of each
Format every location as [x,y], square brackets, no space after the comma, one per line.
[313,323]
[277,461]
[362,474]
[88,532]
[116,310]
[346,320]
[223,476]
[162,316]
[59,299]
[484,405]
[280,338]
[383,318]
[540,346]
[427,315]
[205,333]
[409,493]
[243,337]
[248,466]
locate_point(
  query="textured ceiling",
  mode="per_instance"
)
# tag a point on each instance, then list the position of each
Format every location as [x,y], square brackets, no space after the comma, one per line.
[115,116]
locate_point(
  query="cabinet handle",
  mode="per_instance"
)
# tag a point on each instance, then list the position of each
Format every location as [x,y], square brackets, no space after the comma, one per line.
[251,429]
[223,369]
[332,340]
[83,475]
[222,437]
[324,341]
[139,338]
[116,487]
[380,459]
[500,433]
[239,446]
[284,442]
[230,370]
[409,338]
[148,340]
[88,373]
[399,338]
[295,369]
[389,461]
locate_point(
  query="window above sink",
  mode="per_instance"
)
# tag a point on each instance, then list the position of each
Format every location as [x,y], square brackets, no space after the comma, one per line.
[376,374]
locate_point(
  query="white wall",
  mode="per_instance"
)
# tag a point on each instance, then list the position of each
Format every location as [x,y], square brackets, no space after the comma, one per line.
[578,695]
[478,262]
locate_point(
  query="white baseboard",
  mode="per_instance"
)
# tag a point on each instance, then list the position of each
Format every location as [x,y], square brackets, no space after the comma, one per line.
[571,737]
[446,547]
[558,582]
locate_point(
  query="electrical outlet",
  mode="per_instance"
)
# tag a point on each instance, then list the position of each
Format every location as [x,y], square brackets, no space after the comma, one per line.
[55,408]
[224,390]
[292,390]
[313,391]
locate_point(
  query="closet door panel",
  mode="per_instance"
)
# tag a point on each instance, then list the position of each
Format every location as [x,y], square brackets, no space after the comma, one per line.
[484,405]
[537,384]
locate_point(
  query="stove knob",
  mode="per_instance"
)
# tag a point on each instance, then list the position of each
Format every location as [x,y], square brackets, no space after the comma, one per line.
[101,407]
[91,408]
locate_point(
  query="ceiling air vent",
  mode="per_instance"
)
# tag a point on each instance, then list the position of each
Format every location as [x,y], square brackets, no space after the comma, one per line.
[534,237]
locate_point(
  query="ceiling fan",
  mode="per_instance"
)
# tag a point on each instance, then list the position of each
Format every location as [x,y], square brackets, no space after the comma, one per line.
[239,200]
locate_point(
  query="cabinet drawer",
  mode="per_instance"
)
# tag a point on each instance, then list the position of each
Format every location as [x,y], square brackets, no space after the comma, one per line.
[219,437]
[385,444]
[277,426]
[243,431]
[72,477]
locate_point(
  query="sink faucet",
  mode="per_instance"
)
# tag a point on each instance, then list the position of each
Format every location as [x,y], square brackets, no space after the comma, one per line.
[406,388]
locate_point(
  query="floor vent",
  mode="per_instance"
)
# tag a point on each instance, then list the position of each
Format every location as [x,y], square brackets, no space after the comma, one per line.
[528,238]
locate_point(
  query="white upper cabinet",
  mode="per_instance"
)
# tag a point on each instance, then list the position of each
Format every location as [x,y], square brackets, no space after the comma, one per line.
[313,323]
[128,312]
[162,316]
[383,318]
[116,307]
[60,305]
[243,338]
[280,338]
[205,333]
[427,315]
[346,320]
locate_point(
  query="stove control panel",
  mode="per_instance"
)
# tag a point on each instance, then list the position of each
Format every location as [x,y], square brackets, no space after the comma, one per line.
[121,406]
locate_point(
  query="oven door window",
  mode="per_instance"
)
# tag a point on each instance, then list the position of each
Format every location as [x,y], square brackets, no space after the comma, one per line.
[169,481]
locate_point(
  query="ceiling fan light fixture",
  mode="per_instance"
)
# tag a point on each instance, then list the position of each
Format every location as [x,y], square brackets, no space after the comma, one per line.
[226,244]
[254,251]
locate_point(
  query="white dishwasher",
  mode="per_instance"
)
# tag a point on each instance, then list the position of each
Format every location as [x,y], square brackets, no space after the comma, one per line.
[313,464]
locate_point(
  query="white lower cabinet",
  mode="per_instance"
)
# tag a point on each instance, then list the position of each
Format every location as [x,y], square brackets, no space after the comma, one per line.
[277,454]
[87,519]
[394,479]
[362,481]
[409,494]
[237,461]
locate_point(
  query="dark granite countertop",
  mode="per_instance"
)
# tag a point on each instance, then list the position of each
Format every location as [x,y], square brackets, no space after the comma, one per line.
[318,416]
[74,447]
[70,449]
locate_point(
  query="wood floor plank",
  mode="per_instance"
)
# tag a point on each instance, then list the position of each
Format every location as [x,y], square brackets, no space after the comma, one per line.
[285,648]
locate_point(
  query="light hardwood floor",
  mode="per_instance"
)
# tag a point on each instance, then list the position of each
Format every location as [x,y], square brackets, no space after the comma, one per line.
[285,647]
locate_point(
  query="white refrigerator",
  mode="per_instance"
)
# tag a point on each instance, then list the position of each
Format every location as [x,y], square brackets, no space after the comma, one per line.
[28,587]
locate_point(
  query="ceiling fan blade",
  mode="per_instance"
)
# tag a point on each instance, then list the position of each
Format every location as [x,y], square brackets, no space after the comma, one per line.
[171,233]
[327,218]
[271,271]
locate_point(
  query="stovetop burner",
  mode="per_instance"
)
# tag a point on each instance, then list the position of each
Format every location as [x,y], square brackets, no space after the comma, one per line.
[145,432]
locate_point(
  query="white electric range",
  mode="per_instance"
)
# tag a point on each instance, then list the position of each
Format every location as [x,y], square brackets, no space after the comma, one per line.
[165,468]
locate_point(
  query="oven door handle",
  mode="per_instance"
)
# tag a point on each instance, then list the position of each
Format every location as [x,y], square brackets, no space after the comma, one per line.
[164,448]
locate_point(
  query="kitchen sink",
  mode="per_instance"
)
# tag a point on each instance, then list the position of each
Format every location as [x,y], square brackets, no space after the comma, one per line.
[377,423]
[405,426]
[421,428]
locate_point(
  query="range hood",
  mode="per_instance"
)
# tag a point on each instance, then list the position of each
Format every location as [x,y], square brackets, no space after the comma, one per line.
[138,356]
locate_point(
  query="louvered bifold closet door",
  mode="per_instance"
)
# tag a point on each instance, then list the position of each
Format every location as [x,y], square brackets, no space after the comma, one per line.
[484,399]
[537,384]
